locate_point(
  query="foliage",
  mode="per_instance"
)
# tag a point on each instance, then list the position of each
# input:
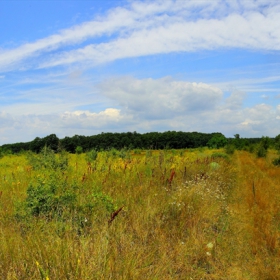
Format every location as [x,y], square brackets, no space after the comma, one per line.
[217,141]
[106,141]
[48,159]
[277,142]
[261,151]
[230,149]
[265,142]
[263,147]
[124,153]
[51,198]
[137,151]
[91,156]
[79,150]
[276,161]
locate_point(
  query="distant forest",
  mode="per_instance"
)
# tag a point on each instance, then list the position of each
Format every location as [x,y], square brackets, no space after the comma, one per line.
[131,140]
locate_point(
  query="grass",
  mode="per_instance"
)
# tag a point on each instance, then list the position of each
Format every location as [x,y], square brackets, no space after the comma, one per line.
[152,215]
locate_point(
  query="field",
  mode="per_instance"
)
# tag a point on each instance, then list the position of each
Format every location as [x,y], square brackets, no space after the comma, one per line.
[170,214]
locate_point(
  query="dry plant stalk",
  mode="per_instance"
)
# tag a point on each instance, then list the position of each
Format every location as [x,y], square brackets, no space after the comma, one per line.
[171,177]
[114,215]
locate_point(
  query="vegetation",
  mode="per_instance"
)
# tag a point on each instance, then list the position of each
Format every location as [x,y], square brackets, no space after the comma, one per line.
[106,141]
[141,214]
[137,142]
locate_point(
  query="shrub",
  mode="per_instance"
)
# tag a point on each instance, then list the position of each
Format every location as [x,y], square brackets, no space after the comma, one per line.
[91,156]
[79,150]
[53,199]
[114,152]
[137,151]
[47,159]
[124,153]
[261,152]
[276,161]
[45,199]
[230,149]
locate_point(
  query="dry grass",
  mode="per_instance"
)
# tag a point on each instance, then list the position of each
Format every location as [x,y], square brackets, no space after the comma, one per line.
[183,218]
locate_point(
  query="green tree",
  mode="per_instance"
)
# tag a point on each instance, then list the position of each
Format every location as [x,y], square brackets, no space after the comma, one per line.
[217,141]
[277,142]
[265,142]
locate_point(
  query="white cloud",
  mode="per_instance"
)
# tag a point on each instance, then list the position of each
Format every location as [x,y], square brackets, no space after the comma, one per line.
[162,98]
[86,119]
[29,126]
[150,105]
[142,28]
[235,100]
[252,31]
[146,28]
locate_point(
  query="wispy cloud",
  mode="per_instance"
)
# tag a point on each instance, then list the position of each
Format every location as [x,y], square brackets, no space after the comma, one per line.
[65,93]
[147,28]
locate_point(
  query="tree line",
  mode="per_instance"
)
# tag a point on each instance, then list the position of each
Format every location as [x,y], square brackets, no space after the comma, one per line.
[131,140]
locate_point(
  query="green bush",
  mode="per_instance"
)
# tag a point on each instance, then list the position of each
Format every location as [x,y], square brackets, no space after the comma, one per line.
[261,152]
[124,153]
[276,161]
[53,199]
[137,151]
[47,159]
[230,149]
[79,150]
[91,156]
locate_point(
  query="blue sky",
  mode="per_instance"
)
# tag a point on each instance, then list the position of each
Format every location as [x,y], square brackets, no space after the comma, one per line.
[86,67]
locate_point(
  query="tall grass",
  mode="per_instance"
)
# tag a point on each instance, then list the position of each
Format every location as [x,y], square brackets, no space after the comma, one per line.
[153,215]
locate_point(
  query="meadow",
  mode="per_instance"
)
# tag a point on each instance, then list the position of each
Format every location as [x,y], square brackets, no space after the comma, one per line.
[167,214]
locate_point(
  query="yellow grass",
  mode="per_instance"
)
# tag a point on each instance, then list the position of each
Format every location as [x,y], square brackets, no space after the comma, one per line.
[202,222]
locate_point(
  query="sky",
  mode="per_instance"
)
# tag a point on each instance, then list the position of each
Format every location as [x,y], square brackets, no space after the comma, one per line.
[86,67]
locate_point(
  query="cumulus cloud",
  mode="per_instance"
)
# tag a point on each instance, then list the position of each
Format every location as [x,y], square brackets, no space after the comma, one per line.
[86,119]
[235,100]
[155,27]
[151,105]
[182,105]
[162,98]
[29,126]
